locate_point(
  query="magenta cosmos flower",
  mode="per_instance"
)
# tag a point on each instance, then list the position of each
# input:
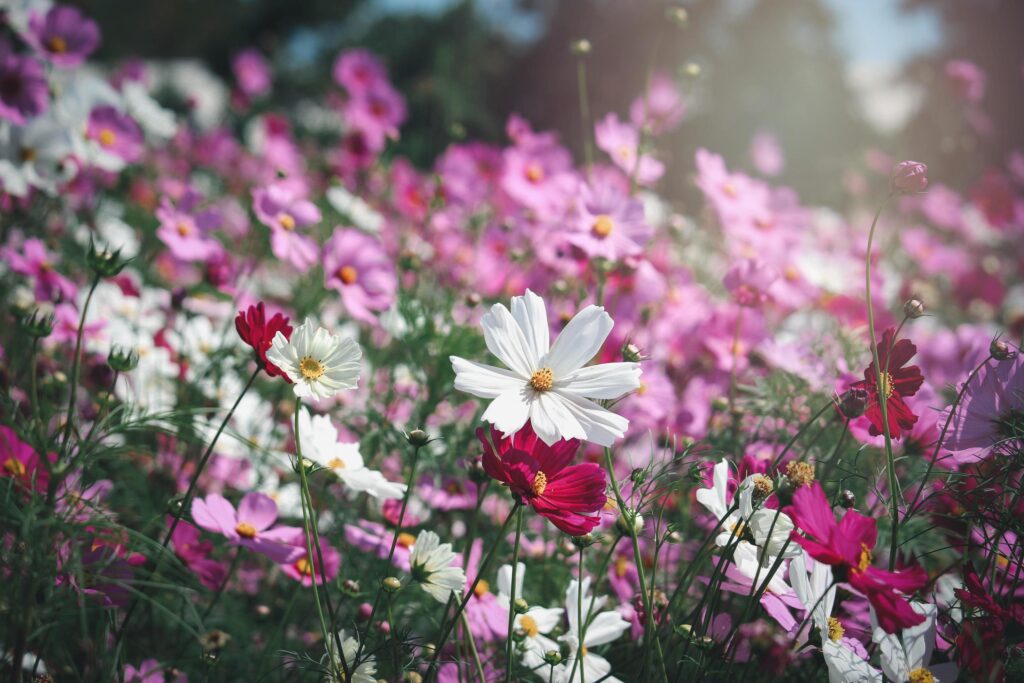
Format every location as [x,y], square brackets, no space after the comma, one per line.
[284,212]
[991,413]
[33,260]
[356,265]
[748,281]
[186,231]
[249,526]
[252,73]
[660,108]
[609,224]
[358,71]
[570,496]
[63,35]
[24,92]
[302,568]
[116,133]
[20,462]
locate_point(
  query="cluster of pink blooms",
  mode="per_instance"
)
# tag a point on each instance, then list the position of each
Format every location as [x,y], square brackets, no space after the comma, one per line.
[743,317]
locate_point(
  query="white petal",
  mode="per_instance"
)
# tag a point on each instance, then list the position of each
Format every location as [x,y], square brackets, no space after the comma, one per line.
[552,420]
[532,317]
[608,380]
[509,411]
[890,653]
[601,426]
[844,666]
[483,380]
[919,640]
[580,341]
[505,340]
[604,628]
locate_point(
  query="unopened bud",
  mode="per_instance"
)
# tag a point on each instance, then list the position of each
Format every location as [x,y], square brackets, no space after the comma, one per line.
[1000,350]
[913,308]
[847,499]
[476,471]
[638,476]
[37,324]
[630,522]
[383,627]
[418,438]
[105,263]
[473,299]
[580,47]
[413,677]
[350,586]
[364,611]
[214,641]
[631,353]
[853,403]
[121,359]
[584,541]
[553,657]
[391,584]
[674,537]
[520,606]
[909,176]
[262,611]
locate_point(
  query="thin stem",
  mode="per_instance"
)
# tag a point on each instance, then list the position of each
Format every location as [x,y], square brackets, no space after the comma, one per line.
[512,596]
[472,648]
[581,83]
[77,364]
[581,625]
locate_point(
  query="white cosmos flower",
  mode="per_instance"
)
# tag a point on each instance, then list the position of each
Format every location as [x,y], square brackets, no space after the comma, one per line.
[535,624]
[319,363]
[366,672]
[548,384]
[906,659]
[320,444]
[603,627]
[430,564]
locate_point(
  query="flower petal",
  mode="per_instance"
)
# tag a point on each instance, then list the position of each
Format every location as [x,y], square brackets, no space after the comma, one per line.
[608,380]
[505,340]
[580,341]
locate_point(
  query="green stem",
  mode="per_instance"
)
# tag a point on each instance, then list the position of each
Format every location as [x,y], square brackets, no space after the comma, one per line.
[581,83]
[581,626]
[77,364]
[472,648]
[512,596]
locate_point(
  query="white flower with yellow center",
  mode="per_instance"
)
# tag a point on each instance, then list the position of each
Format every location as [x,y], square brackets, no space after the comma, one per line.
[366,672]
[534,624]
[430,564]
[320,444]
[319,363]
[544,383]
[905,659]
[601,628]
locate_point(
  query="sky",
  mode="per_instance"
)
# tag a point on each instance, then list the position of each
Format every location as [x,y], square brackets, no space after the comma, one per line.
[878,31]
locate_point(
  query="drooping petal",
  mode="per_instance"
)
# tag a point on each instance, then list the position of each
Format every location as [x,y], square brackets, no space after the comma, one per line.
[579,341]
[600,426]
[483,380]
[509,411]
[552,421]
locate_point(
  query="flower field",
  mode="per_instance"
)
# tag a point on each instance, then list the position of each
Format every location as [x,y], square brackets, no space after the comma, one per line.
[278,404]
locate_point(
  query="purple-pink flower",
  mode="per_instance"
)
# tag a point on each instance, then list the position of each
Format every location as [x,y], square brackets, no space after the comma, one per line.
[249,526]
[608,223]
[359,72]
[748,281]
[186,230]
[63,35]
[24,92]
[356,265]
[284,210]
[621,142]
[35,261]
[115,133]
[660,108]
[252,73]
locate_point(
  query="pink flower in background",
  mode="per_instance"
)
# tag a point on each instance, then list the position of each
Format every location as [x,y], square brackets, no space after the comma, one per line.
[748,281]
[359,72]
[35,261]
[910,176]
[766,155]
[63,35]
[608,223]
[359,269]
[991,411]
[196,555]
[621,142]
[538,171]
[24,91]
[150,671]
[378,112]
[115,133]
[252,73]
[186,230]
[966,80]
[660,108]
[300,567]
[281,208]
[249,526]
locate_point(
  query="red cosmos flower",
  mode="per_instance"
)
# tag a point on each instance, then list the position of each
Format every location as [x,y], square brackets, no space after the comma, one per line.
[847,546]
[897,383]
[540,475]
[256,331]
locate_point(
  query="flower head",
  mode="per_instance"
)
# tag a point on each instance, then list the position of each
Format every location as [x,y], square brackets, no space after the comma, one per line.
[541,476]
[24,92]
[249,526]
[258,332]
[897,383]
[548,384]
[609,224]
[356,265]
[318,363]
[64,35]
[910,176]
[431,567]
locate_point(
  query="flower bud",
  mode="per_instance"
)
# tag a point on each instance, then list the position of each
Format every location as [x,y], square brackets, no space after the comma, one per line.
[630,522]
[674,537]
[383,627]
[847,499]
[121,359]
[391,584]
[413,677]
[638,476]
[520,606]
[1000,350]
[580,47]
[214,641]
[37,324]
[913,309]
[350,586]
[476,471]
[631,353]
[553,657]
[853,403]
[104,263]
[585,541]
[909,176]
[473,299]
[262,611]
[418,438]
[364,611]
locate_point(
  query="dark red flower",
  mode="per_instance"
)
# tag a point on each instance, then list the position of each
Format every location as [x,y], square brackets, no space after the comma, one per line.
[974,595]
[847,547]
[898,382]
[541,476]
[980,648]
[258,332]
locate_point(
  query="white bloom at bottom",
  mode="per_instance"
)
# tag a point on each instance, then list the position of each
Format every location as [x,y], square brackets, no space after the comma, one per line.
[366,672]
[319,363]
[430,565]
[602,628]
[534,625]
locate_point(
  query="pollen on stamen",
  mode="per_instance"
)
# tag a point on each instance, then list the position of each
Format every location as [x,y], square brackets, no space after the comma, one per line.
[311,368]
[245,530]
[540,482]
[107,137]
[287,221]
[542,380]
[835,630]
[603,226]
[57,45]
[14,467]
[348,275]
[886,387]
[864,561]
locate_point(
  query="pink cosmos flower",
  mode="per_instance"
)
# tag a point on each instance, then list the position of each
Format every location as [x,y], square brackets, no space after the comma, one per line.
[378,112]
[991,412]
[748,281]
[376,538]
[621,142]
[299,567]
[537,170]
[195,554]
[766,155]
[24,92]
[609,224]
[63,35]
[356,265]
[35,261]
[486,615]
[569,496]
[249,526]
[280,207]
[20,462]
[150,671]
[186,231]
[966,80]
[660,108]
[847,547]
[252,73]
[359,72]
[115,133]
[65,326]
[453,493]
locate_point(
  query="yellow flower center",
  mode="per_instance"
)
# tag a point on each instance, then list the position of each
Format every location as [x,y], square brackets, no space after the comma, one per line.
[57,45]
[641,390]
[540,482]
[107,137]
[245,530]
[336,464]
[529,626]
[921,675]
[730,189]
[584,651]
[183,229]
[287,221]
[482,588]
[311,368]
[542,380]
[602,227]
[348,274]
[800,473]
[864,561]
[14,467]
[621,566]
[835,630]
[886,387]
[534,173]
[303,566]
[406,540]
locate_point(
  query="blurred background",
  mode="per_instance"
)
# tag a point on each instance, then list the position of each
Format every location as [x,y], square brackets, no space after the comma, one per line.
[833,81]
